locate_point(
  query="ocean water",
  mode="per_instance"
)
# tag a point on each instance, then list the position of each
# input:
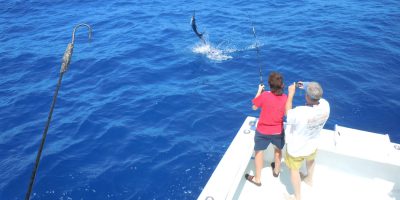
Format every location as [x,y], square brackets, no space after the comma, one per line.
[146,110]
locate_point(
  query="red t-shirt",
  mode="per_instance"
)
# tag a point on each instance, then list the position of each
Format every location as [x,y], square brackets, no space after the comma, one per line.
[272,112]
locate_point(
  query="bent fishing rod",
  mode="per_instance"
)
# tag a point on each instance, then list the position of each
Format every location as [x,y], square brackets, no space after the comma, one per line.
[64,67]
[258,57]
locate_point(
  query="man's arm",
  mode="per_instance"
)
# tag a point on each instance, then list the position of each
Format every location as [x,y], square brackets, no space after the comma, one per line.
[260,89]
[289,102]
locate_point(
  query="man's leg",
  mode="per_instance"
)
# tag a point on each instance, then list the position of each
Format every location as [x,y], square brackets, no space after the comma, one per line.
[296,181]
[310,172]
[259,161]
[294,164]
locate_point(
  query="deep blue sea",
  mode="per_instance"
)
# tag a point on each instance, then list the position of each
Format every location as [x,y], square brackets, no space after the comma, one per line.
[145,113]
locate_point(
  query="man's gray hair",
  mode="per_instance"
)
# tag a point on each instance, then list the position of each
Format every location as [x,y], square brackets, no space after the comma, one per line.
[314,91]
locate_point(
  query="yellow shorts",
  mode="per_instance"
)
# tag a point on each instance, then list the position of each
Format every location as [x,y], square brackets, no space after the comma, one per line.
[295,162]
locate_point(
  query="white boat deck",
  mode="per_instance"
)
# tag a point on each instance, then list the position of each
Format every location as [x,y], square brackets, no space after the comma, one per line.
[350,164]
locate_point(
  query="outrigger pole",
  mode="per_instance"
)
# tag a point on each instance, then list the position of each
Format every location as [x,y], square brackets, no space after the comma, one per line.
[64,68]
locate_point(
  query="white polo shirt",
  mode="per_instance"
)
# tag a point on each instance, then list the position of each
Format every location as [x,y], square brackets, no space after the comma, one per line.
[303,127]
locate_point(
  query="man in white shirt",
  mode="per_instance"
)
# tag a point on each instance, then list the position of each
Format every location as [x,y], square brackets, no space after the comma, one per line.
[304,124]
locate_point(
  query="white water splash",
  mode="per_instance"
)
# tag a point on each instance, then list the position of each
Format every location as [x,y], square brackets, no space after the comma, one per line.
[222,51]
[254,46]
[211,52]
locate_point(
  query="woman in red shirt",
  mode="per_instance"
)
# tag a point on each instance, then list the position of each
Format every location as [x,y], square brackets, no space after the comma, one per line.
[270,125]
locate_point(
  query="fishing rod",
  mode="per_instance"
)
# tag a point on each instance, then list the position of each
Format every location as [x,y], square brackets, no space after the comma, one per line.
[258,57]
[64,67]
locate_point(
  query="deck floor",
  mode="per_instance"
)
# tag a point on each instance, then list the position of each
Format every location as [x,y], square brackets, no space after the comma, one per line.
[328,184]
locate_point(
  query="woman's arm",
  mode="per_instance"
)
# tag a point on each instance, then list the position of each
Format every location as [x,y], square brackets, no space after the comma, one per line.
[260,90]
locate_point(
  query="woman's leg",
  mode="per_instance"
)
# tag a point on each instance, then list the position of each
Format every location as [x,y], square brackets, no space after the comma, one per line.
[258,161]
[278,157]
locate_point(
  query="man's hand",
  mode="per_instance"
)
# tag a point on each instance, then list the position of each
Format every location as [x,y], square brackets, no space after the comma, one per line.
[291,90]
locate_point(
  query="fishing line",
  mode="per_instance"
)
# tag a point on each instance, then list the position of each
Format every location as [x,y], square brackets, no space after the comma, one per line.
[258,52]
[64,67]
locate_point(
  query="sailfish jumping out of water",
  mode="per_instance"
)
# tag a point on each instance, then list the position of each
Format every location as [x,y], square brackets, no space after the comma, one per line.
[194,27]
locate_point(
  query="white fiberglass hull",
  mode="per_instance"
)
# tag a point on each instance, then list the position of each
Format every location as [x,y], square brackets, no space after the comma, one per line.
[350,164]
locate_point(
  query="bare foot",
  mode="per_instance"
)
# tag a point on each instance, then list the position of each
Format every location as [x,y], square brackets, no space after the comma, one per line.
[306,179]
[302,176]
[289,197]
